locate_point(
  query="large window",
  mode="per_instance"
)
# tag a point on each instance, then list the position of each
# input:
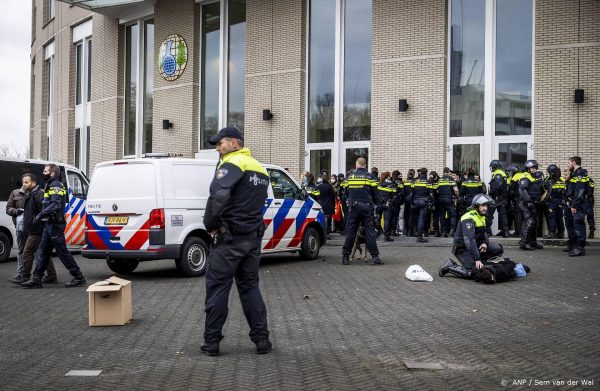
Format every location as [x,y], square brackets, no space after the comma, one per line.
[223,67]
[139,61]
[82,39]
[339,84]
[490,82]
[49,95]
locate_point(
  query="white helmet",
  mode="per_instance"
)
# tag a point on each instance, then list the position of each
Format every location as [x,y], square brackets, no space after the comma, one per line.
[481,199]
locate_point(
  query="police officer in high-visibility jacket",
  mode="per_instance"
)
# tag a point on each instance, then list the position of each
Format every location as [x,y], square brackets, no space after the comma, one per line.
[422,200]
[53,236]
[447,191]
[472,246]
[498,190]
[554,207]
[530,191]
[578,194]
[234,217]
[387,193]
[361,193]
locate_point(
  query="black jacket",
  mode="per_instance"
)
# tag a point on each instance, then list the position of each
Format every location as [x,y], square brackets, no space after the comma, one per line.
[361,187]
[16,200]
[237,194]
[326,198]
[470,233]
[53,204]
[33,205]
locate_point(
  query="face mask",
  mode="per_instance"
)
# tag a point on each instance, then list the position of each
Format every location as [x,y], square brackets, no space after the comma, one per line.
[46,177]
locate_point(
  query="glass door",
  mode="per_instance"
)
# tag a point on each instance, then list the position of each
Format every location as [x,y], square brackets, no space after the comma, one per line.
[513,151]
[463,153]
[353,151]
[83,97]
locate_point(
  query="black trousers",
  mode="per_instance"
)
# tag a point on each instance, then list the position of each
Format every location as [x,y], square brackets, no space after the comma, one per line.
[577,235]
[53,237]
[500,206]
[493,250]
[447,215]
[529,230]
[239,259]
[360,213]
[387,212]
[409,218]
[554,216]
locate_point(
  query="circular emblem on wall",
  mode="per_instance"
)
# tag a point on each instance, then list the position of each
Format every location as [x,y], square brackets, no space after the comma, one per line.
[172,57]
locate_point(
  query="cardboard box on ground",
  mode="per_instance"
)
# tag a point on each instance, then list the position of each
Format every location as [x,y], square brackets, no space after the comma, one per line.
[110,302]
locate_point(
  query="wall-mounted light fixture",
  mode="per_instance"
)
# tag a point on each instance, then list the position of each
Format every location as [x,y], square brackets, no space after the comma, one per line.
[579,98]
[267,115]
[167,124]
[402,105]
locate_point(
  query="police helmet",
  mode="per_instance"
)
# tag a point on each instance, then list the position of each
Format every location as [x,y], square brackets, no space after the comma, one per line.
[553,169]
[512,169]
[531,164]
[495,164]
[481,199]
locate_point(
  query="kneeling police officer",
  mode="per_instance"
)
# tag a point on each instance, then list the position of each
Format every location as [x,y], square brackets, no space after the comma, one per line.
[471,240]
[234,217]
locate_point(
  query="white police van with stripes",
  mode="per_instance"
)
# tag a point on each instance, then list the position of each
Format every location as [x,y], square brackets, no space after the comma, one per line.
[152,208]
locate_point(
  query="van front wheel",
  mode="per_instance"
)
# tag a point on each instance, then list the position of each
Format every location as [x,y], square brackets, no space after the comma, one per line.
[194,255]
[122,266]
[311,244]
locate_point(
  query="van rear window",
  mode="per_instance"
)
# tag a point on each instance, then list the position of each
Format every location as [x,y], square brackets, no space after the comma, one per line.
[123,181]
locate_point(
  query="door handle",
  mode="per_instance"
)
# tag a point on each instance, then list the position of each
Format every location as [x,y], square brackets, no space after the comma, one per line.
[277,203]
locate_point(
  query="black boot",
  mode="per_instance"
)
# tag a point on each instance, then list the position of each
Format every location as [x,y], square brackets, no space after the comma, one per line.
[345,260]
[551,235]
[451,234]
[421,239]
[591,235]
[377,261]
[49,279]
[460,271]
[577,252]
[537,245]
[210,349]
[446,267]
[263,346]
[34,282]
[527,247]
[388,239]
[77,280]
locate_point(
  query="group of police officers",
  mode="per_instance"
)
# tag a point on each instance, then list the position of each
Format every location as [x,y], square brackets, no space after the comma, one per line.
[522,198]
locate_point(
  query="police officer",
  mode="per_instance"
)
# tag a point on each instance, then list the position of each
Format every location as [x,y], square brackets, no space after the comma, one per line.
[398,200]
[447,191]
[469,187]
[311,187]
[53,236]
[432,215]
[234,217]
[361,193]
[554,208]
[515,197]
[387,194]
[498,191]
[590,212]
[409,215]
[472,246]
[530,192]
[422,201]
[578,196]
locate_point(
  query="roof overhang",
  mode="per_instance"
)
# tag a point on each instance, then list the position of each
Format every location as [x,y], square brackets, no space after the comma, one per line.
[113,8]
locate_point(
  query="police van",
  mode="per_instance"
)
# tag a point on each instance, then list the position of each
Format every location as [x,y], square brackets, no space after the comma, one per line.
[11,172]
[152,208]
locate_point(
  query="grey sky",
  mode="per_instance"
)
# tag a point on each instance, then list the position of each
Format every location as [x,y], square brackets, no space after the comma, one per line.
[15,44]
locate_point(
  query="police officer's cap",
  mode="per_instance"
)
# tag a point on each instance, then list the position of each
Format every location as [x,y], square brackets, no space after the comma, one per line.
[481,199]
[531,164]
[225,132]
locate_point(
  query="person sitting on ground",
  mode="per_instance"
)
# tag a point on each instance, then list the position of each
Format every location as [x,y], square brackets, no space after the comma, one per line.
[472,246]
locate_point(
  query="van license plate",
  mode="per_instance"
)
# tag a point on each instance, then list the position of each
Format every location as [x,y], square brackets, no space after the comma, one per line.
[116,220]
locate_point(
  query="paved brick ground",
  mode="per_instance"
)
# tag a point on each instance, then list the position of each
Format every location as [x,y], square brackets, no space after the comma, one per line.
[356,329]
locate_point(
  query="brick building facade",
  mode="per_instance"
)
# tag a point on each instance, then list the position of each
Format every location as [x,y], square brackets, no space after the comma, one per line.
[411,50]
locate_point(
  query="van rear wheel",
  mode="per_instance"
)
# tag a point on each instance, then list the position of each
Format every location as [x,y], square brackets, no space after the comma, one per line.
[311,244]
[4,247]
[194,255]
[122,266]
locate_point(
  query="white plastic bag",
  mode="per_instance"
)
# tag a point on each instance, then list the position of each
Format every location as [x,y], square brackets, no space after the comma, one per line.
[19,225]
[416,273]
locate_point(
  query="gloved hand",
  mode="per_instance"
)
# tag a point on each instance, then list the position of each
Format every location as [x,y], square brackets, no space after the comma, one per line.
[20,211]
